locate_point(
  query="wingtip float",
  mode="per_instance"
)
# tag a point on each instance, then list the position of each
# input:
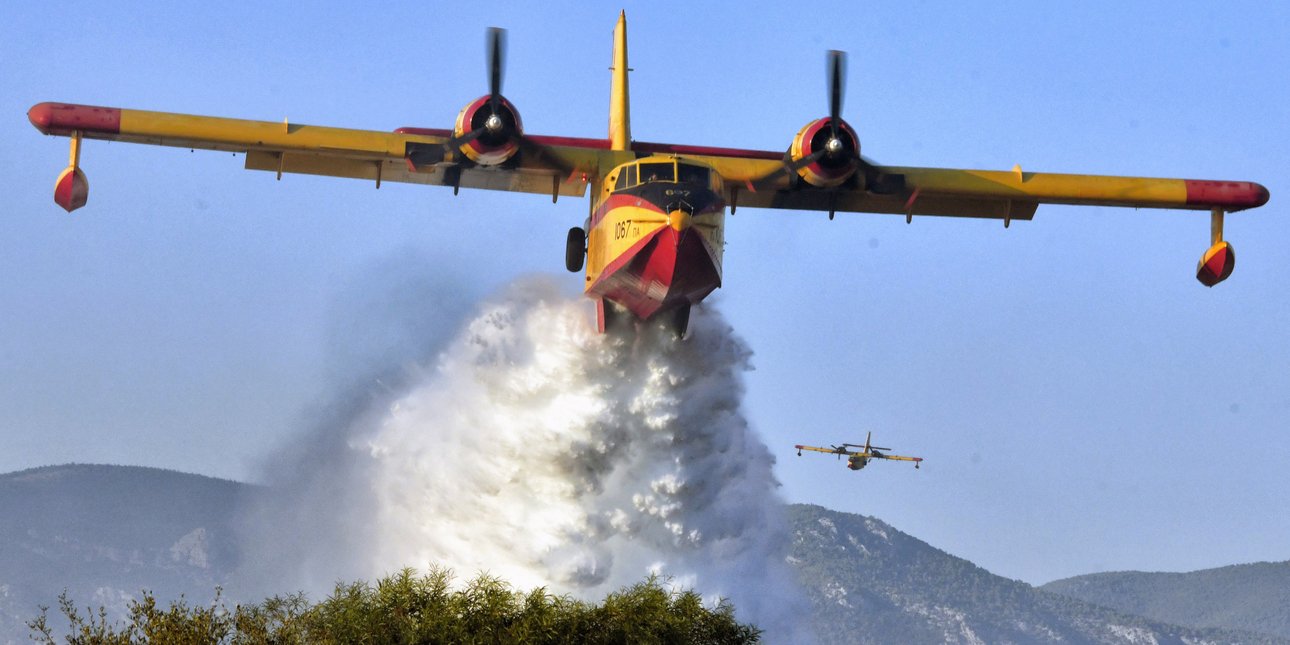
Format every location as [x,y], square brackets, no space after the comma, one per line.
[654,241]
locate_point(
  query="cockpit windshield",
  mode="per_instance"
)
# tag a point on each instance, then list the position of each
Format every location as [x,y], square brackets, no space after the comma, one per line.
[670,170]
[656,171]
[692,174]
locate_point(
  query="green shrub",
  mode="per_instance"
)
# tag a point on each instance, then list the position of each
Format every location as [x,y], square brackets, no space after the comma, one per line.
[407,608]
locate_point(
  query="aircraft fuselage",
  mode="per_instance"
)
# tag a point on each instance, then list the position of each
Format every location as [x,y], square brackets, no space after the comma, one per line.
[656,235]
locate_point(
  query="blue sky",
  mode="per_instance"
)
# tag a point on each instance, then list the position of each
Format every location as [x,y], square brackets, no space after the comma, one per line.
[1082,402]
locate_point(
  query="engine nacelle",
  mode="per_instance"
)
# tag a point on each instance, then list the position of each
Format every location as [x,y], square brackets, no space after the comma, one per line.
[832,167]
[495,142]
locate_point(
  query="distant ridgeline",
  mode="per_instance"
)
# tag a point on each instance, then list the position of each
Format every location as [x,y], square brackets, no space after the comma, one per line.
[870,583]
[104,533]
[1252,597]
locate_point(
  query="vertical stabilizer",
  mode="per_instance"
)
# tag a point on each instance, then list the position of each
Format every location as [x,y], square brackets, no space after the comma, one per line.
[620,130]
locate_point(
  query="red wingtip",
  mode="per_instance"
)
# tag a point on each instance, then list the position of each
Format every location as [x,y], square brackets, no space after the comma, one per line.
[1229,195]
[65,118]
[1262,195]
[41,115]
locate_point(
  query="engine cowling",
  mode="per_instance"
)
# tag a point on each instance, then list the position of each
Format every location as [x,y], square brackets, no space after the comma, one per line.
[489,143]
[830,167]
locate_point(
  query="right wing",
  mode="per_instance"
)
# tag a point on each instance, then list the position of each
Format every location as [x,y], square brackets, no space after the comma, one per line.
[551,165]
[830,451]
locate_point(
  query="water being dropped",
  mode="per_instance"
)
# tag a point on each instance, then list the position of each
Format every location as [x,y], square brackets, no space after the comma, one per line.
[536,450]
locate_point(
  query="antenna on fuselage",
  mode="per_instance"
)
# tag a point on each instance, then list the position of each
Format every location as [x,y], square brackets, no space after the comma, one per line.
[620,129]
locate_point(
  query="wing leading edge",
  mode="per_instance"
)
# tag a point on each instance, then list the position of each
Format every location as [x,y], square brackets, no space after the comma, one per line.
[565,165]
[559,169]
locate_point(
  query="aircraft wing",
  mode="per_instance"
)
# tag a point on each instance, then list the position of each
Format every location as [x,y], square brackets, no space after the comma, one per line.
[760,179]
[566,165]
[898,458]
[831,451]
[550,165]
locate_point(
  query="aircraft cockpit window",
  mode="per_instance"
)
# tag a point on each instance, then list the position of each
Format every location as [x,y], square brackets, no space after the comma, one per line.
[692,175]
[658,172]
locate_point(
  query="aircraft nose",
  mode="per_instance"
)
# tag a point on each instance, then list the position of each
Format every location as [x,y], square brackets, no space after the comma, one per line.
[679,220]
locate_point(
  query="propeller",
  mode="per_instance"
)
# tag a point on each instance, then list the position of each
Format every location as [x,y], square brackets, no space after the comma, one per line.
[834,150]
[875,180]
[494,126]
[496,54]
[837,79]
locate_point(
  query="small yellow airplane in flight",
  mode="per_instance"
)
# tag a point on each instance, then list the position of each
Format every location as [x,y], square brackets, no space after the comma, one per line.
[857,459]
[654,235]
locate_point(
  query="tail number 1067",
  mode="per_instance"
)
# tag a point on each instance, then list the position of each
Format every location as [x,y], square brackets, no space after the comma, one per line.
[623,229]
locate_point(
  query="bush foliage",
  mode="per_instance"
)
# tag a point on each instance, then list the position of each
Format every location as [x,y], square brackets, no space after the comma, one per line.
[407,608]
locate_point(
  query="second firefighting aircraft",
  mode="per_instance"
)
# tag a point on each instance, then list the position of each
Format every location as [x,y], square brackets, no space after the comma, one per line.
[857,459]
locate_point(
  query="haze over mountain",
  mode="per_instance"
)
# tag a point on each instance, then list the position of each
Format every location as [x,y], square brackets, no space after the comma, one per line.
[1243,596]
[105,532]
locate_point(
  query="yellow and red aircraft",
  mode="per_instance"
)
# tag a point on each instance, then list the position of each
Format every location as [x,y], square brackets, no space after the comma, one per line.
[857,459]
[653,240]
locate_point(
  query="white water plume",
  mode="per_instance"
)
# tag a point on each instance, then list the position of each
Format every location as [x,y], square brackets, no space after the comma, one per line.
[536,450]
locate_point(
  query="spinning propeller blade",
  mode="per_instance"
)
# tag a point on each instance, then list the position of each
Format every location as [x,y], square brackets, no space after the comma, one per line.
[837,79]
[496,61]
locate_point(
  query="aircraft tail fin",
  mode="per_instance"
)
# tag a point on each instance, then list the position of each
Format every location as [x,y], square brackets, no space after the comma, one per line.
[620,131]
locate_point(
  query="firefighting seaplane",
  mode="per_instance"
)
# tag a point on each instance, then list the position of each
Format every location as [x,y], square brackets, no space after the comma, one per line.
[857,459]
[653,240]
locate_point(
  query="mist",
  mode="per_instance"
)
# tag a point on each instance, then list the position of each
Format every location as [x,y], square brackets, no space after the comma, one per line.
[507,437]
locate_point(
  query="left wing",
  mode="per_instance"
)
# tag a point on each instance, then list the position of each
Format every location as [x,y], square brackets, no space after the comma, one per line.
[797,180]
[895,457]
[761,179]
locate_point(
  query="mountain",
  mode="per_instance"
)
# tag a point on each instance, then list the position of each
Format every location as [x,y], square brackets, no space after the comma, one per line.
[1244,596]
[870,583]
[105,532]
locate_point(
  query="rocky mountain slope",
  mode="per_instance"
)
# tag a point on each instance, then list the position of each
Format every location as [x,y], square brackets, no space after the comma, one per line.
[870,583]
